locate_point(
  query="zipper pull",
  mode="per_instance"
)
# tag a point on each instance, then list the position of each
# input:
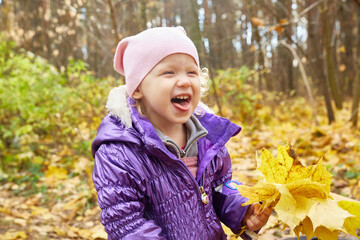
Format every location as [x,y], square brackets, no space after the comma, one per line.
[182,153]
[204,197]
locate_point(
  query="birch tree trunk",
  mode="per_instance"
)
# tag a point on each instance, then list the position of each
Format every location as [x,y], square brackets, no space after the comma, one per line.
[46,15]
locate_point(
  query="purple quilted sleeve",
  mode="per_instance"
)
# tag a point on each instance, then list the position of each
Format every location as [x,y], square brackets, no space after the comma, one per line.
[226,199]
[120,196]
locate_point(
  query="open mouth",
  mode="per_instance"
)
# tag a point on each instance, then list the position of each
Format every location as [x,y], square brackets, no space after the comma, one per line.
[181,102]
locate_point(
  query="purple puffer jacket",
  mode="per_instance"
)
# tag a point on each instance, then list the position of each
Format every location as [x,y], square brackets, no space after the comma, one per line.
[146,192]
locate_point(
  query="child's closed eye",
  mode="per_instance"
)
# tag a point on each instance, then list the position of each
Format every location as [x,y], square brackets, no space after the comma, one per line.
[193,72]
[168,72]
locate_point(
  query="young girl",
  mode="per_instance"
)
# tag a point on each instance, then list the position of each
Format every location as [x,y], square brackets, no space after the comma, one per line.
[161,167]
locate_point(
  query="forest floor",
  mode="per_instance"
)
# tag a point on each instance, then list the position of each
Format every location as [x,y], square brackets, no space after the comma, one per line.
[65,207]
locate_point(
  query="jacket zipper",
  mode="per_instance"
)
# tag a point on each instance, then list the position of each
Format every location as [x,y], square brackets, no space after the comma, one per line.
[181,153]
[203,217]
[203,196]
[193,142]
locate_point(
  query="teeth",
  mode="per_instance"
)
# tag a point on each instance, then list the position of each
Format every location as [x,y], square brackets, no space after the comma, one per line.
[182,97]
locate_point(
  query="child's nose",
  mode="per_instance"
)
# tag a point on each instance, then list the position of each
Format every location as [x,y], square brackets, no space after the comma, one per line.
[184,81]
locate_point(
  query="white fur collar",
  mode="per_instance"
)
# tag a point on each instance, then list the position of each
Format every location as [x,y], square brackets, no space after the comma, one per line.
[117,105]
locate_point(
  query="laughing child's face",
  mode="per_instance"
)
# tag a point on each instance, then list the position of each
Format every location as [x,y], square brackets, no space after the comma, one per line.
[170,93]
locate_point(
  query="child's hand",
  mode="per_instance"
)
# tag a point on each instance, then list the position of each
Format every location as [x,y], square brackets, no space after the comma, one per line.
[254,219]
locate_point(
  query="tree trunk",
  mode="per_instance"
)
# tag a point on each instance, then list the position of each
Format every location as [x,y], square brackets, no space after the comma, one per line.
[315,61]
[223,27]
[285,60]
[247,55]
[7,10]
[261,61]
[356,99]
[143,14]
[347,60]
[356,86]
[169,13]
[209,36]
[330,66]
[256,40]
[45,22]
[192,24]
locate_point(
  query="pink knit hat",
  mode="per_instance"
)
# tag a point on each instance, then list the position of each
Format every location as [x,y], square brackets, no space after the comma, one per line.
[137,55]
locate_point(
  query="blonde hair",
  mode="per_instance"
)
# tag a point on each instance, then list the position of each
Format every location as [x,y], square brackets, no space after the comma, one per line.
[204,81]
[204,87]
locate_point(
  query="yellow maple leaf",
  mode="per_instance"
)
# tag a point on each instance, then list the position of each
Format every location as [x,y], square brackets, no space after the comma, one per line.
[324,233]
[297,172]
[353,222]
[275,170]
[290,209]
[305,227]
[262,192]
[318,173]
[327,213]
[308,188]
[301,196]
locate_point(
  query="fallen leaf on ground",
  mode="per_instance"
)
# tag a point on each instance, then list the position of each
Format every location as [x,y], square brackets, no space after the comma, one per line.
[12,235]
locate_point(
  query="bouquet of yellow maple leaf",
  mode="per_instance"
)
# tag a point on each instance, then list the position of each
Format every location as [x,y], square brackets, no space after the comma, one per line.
[300,195]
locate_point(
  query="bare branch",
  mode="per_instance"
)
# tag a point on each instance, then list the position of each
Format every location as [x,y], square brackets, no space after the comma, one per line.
[303,73]
[310,7]
[113,19]
[357,2]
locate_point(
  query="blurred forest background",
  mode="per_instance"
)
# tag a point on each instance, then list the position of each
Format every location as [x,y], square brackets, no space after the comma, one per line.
[286,70]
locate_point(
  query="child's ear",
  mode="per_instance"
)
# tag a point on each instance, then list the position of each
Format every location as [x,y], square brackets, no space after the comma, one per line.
[137,94]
